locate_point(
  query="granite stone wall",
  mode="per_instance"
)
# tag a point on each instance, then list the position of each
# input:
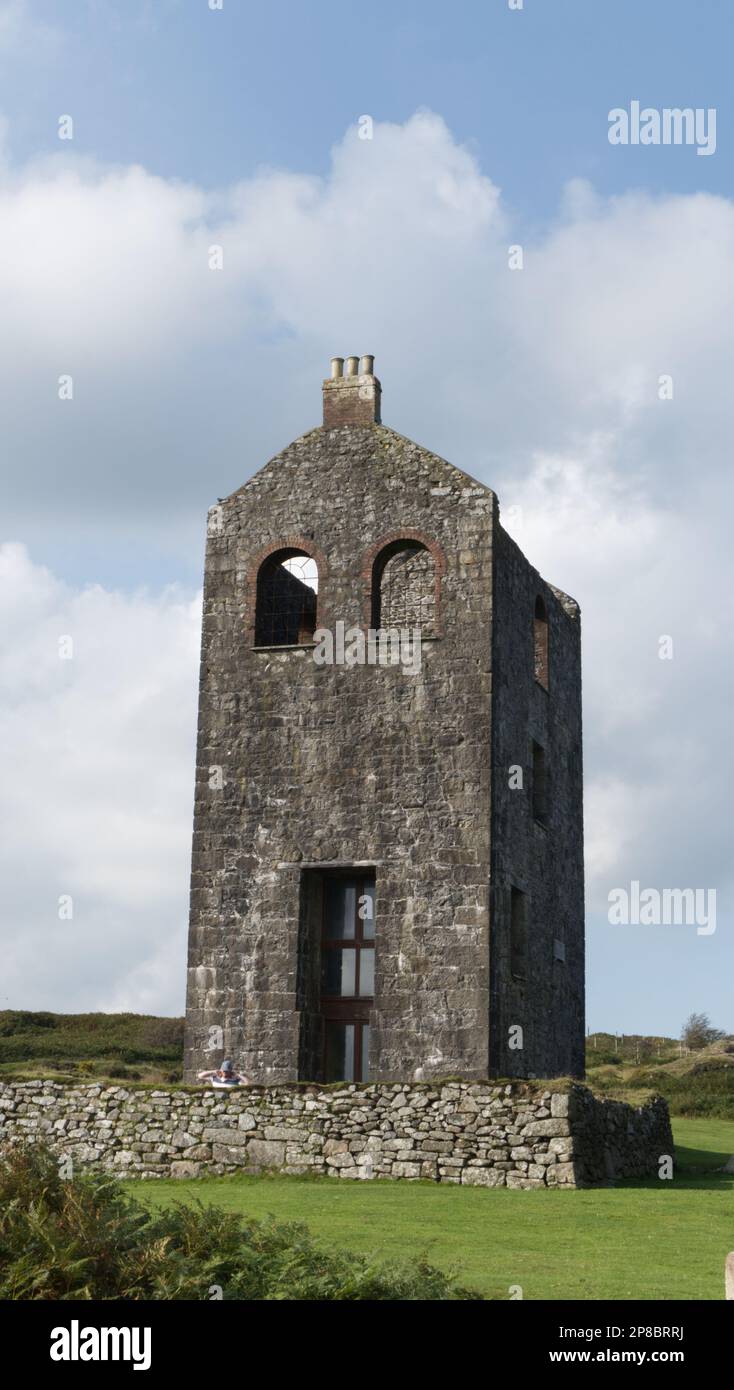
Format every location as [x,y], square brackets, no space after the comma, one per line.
[478,1134]
[542,857]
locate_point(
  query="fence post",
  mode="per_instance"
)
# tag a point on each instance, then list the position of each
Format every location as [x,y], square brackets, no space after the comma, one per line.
[729,1277]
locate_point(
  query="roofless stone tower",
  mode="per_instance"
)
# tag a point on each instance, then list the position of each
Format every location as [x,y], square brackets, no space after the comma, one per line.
[387,877]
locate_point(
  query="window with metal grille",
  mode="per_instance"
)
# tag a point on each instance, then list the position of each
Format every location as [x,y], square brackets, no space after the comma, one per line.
[287,586]
[404,587]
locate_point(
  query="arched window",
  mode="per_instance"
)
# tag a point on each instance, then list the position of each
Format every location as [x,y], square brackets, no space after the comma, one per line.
[540,642]
[287,587]
[404,587]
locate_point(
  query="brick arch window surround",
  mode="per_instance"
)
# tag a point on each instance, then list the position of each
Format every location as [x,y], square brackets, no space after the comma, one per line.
[403,572]
[284,581]
[540,642]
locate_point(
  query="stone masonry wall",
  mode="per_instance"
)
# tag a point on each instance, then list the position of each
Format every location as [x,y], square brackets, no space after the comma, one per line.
[544,860]
[478,1134]
[328,766]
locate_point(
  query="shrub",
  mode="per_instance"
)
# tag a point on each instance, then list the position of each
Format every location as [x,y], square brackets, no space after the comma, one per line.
[123,1037]
[85,1238]
[707,1090]
[15,1021]
[697,1032]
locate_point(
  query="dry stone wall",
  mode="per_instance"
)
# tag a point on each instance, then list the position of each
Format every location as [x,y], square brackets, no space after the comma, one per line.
[479,1134]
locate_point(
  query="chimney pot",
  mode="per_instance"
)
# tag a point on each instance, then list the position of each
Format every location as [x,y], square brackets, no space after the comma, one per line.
[352,397]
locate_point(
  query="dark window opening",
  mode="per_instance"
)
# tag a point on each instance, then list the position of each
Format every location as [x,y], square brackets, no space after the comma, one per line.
[404,588]
[347,974]
[285,613]
[540,643]
[346,1050]
[518,934]
[540,785]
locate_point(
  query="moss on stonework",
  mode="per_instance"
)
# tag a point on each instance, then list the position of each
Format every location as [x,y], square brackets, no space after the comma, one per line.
[530,1086]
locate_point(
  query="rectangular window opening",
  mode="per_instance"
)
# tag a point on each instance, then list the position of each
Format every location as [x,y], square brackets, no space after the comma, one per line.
[340,927]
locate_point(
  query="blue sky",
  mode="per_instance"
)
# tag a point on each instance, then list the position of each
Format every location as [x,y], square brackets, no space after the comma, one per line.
[238,127]
[212,95]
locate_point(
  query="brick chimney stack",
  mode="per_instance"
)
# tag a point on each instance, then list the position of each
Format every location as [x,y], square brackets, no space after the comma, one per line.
[352,393]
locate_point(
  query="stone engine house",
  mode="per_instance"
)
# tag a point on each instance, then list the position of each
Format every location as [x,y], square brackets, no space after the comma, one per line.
[387,874]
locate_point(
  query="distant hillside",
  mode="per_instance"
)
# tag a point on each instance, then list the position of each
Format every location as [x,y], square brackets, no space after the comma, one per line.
[124,1047]
[140,1047]
[694,1083]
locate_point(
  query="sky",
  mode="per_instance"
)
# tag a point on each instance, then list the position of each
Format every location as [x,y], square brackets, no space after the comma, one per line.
[591,389]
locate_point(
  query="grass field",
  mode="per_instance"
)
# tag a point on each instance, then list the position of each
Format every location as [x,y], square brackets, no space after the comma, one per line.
[648,1240]
[130,1048]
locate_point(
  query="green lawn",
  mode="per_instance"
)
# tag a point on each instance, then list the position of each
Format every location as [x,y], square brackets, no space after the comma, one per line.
[650,1240]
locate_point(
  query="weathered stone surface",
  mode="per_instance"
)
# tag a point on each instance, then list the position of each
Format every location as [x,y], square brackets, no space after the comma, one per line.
[355,1132]
[406,1170]
[335,1146]
[562,1145]
[482,1177]
[545,1128]
[123,1158]
[230,1154]
[265,1153]
[224,1136]
[181,1140]
[181,1168]
[560,1174]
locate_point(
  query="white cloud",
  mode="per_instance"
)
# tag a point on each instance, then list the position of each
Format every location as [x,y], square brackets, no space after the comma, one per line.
[97,793]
